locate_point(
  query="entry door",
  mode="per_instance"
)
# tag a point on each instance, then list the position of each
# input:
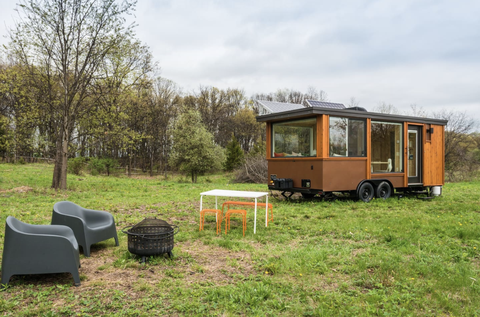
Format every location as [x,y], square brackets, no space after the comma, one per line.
[414,156]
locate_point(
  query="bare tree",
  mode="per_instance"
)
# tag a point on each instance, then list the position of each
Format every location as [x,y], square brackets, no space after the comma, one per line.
[165,100]
[383,107]
[417,111]
[458,143]
[314,94]
[68,41]
[353,102]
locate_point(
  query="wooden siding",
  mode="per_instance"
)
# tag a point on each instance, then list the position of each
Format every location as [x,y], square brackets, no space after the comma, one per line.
[340,174]
[434,157]
[297,170]
[269,140]
[396,179]
[369,149]
[324,119]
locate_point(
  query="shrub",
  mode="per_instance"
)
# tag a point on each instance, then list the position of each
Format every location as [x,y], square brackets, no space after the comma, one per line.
[99,166]
[254,170]
[110,164]
[76,165]
[234,155]
[96,166]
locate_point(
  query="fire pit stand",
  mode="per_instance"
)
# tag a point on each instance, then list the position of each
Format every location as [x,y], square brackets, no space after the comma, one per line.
[151,236]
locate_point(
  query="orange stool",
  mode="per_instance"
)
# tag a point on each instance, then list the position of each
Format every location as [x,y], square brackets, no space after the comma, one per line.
[217,212]
[237,212]
[250,204]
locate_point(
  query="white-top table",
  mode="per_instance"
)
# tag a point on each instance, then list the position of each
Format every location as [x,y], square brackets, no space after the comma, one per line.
[240,194]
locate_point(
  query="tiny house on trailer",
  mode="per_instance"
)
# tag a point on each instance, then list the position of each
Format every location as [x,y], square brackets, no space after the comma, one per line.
[325,148]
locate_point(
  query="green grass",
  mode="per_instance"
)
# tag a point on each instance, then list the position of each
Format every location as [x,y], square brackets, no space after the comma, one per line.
[399,257]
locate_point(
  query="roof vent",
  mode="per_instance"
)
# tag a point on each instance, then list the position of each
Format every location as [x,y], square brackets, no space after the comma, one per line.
[356,109]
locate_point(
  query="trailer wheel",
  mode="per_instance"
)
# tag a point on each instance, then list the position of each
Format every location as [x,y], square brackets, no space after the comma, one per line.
[365,192]
[383,190]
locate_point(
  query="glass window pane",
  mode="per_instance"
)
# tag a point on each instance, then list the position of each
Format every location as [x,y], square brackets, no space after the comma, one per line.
[295,138]
[347,137]
[387,140]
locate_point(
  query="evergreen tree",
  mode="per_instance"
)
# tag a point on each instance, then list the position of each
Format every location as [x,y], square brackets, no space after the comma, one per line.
[234,155]
[193,150]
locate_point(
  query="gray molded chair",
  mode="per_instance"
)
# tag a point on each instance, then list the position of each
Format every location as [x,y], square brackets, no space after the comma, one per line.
[89,226]
[38,249]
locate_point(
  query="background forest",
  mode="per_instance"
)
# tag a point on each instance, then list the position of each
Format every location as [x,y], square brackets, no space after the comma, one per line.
[78,89]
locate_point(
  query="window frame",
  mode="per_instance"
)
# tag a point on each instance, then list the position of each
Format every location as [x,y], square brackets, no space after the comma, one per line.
[364,121]
[313,136]
[402,145]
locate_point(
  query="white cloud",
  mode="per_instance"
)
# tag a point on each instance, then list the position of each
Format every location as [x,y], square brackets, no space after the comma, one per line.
[422,52]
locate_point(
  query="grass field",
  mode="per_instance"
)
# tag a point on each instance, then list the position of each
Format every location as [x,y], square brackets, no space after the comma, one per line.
[399,257]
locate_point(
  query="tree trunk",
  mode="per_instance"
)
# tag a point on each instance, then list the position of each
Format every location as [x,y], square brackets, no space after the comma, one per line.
[151,164]
[129,167]
[63,173]
[165,166]
[57,169]
[194,176]
[61,163]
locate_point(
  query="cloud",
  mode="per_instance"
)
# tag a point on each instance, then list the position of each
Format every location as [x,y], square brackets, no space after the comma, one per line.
[422,52]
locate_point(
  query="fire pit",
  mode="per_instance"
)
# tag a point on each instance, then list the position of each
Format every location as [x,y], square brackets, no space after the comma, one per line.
[150,236]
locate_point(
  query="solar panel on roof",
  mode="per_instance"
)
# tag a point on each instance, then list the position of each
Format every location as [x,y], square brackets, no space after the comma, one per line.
[324,104]
[275,106]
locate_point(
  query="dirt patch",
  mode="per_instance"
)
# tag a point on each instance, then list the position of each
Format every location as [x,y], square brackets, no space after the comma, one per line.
[356,252]
[21,189]
[216,264]
[194,262]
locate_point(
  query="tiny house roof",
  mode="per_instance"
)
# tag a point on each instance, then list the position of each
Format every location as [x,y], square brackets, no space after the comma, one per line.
[275,107]
[324,104]
[301,111]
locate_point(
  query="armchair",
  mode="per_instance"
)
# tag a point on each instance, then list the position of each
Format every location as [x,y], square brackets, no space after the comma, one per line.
[38,249]
[89,226]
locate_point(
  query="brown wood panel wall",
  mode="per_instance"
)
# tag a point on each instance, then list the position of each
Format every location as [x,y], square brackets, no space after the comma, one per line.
[320,140]
[369,148]
[298,169]
[405,150]
[396,179]
[325,134]
[341,174]
[269,140]
[434,157]
[427,160]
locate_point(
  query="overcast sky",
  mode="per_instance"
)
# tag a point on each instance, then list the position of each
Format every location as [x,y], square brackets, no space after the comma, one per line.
[399,52]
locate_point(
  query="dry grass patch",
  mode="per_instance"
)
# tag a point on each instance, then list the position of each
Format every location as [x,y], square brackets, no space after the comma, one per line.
[215,264]
[21,189]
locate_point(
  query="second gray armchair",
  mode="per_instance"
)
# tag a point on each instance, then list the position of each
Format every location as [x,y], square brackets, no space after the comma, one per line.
[89,226]
[38,249]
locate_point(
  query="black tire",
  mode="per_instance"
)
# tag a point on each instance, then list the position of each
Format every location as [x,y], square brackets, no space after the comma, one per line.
[384,190]
[366,192]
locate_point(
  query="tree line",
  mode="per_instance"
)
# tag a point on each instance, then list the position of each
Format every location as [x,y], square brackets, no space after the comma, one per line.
[76,82]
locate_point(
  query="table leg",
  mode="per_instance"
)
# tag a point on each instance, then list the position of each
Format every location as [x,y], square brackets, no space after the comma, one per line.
[216,207]
[255,221]
[266,210]
[201,198]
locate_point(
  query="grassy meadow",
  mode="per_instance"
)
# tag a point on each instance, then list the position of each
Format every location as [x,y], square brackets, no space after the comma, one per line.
[399,257]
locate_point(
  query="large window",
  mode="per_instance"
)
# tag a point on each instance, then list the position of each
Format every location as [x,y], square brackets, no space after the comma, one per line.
[387,142]
[295,138]
[347,137]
